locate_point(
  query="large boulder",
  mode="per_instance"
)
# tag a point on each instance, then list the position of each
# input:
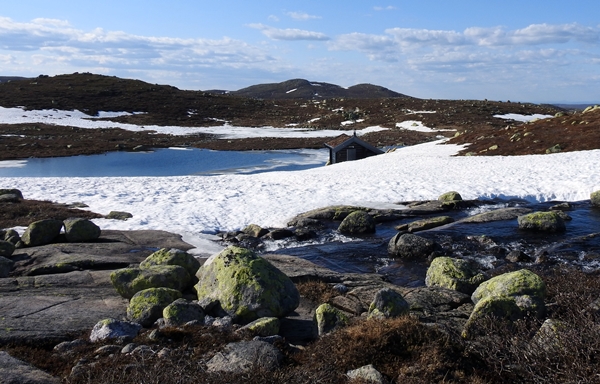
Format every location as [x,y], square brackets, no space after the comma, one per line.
[147,306]
[245,356]
[263,327]
[357,223]
[255,230]
[108,329]
[456,274]
[542,221]
[15,371]
[450,196]
[246,286]
[329,318]
[41,232]
[6,248]
[81,230]
[129,281]
[512,284]
[172,257]
[6,265]
[409,246]
[388,303]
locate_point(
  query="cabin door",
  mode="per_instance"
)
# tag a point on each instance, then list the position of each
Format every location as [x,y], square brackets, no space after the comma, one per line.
[351,153]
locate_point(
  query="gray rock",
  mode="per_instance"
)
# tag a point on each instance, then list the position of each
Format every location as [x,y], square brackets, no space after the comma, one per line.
[15,371]
[388,303]
[409,246]
[244,356]
[329,318]
[146,306]
[264,327]
[542,222]
[114,329]
[255,230]
[279,234]
[129,281]
[451,273]
[497,215]
[517,256]
[81,230]
[450,196]
[67,346]
[6,248]
[424,224]
[172,257]
[595,198]
[6,265]
[118,215]
[182,311]
[13,191]
[367,373]
[247,286]
[41,232]
[357,223]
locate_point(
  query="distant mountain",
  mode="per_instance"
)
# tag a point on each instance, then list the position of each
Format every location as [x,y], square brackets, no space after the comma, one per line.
[304,89]
[6,79]
[574,107]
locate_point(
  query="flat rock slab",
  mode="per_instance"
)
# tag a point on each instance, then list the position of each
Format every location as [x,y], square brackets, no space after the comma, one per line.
[15,371]
[55,306]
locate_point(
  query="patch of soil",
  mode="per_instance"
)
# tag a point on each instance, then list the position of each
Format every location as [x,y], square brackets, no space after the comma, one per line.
[26,212]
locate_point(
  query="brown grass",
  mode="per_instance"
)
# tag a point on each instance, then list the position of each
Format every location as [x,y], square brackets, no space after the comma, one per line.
[26,212]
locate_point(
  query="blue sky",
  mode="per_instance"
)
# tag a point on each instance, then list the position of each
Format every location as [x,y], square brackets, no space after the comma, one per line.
[500,50]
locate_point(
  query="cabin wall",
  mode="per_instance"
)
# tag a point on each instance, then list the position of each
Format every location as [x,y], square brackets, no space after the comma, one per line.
[360,153]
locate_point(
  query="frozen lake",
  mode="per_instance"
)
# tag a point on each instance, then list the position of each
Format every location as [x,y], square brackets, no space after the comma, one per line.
[166,162]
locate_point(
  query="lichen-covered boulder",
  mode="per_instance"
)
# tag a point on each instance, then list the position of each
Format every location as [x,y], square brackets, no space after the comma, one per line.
[450,196]
[263,327]
[6,248]
[367,374]
[6,265]
[145,307]
[388,303]
[114,329]
[595,199]
[512,284]
[41,232]
[409,246]
[328,318]
[357,223]
[118,215]
[182,311]
[246,286]
[424,224]
[245,356]
[542,221]
[81,230]
[129,281]
[552,336]
[172,257]
[456,274]
[503,307]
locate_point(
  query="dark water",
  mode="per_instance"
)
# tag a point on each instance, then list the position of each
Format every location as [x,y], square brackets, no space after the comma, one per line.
[165,162]
[486,244]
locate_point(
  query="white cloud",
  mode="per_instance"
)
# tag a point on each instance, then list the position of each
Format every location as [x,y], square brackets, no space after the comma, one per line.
[302,16]
[388,8]
[289,33]
[273,18]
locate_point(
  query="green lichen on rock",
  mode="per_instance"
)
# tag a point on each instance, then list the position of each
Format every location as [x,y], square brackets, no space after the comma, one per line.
[554,149]
[503,307]
[409,246]
[129,281]
[424,224]
[542,221]
[456,274]
[81,230]
[146,306]
[450,196]
[182,311]
[265,326]
[328,318]
[172,257]
[512,284]
[41,232]
[388,303]
[255,230]
[356,223]
[595,199]
[246,286]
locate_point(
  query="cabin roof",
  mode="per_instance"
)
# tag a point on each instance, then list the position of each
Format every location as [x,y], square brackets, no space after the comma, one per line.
[342,140]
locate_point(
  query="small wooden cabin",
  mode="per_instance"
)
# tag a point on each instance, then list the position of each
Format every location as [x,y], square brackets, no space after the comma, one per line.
[347,148]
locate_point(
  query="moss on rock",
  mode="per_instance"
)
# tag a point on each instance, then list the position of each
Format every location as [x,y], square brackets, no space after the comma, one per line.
[129,281]
[172,257]
[328,318]
[450,196]
[542,221]
[456,274]
[595,199]
[512,284]
[146,306]
[356,223]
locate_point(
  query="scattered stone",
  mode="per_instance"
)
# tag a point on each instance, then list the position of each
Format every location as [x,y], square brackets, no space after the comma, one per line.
[562,207]
[164,353]
[517,256]
[595,198]
[143,350]
[456,274]
[542,221]
[114,329]
[129,347]
[367,373]
[41,232]
[357,223]
[409,246]
[145,307]
[328,318]
[118,215]
[340,288]
[244,356]
[246,286]
[81,230]
[67,346]
[497,215]
[424,224]
[279,234]
[255,230]
[554,149]
[14,192]
[182,311]
[388,303]
[106,350]
[263,327]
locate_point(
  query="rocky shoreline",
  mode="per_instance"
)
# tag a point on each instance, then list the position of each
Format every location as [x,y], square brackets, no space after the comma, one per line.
[56,288]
